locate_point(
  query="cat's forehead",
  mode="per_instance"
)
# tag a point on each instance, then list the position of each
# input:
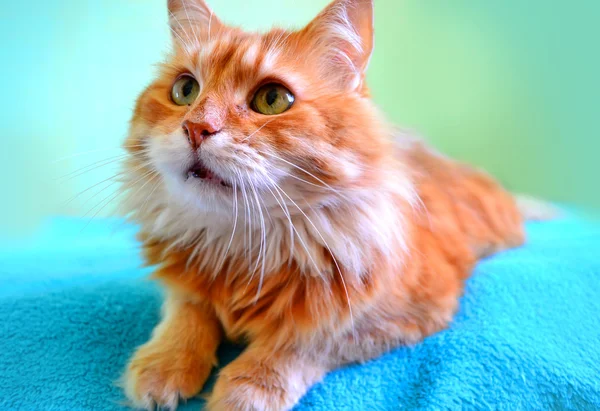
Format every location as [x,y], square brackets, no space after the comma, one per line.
[238,59]
[240,51]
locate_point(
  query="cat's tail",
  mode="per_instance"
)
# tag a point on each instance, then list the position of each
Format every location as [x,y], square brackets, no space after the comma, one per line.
[534,209]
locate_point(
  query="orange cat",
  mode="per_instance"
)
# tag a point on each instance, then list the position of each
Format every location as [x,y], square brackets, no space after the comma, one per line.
[280,209]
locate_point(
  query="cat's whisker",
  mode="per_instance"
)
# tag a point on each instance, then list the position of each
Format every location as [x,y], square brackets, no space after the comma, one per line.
[264,260]
[252,272]
[266,209]
[256,131]
[148,173]
[286,212]
[93,151]
[115,177]
[302,243]
[119,192]
[90,167]
[235,213]
[332,256]
[263,240]
[113,197]
[247,223]
[147,198]
[156,185]
[89,188]
[328,188]
[252,213]
[95,166]
[303,170]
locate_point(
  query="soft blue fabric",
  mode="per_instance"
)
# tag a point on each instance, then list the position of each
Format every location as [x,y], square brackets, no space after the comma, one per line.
[74,305]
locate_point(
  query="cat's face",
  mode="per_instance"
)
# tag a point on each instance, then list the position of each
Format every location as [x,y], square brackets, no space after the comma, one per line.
[267,119]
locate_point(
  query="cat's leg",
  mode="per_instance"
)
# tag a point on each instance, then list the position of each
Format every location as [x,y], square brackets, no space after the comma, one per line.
[261,379]
[177,360]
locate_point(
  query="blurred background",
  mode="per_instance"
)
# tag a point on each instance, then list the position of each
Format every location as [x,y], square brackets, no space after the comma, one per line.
[511,86]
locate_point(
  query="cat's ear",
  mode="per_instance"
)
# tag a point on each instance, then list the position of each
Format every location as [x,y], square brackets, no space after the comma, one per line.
[342,36]
[192,21]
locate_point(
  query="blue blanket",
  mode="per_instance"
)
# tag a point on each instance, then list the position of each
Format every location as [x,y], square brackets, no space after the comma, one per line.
[74,304]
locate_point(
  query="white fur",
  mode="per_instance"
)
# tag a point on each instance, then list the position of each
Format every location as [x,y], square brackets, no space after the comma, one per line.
[268,63]
[207,49]
[534,209]
[346,223]
[250,55]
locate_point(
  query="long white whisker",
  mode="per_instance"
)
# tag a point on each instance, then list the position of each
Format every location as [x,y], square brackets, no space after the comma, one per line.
[302,243]
[115,176]
[147,198]
[151,192]
[108,186]
[342,195]
[106,203]
[94,151]
[332,256]
[89,188]
[262,240]
[247,223]
[148,173]
[256,131]
[92,166]
[252,234]
[264,258]
[301,169]
[235,212]
[286,212]
[110,198]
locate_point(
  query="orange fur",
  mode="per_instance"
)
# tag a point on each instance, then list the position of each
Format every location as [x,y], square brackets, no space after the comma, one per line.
[334,245]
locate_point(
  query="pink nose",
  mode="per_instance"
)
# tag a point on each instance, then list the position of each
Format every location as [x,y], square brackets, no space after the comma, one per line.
[198,132]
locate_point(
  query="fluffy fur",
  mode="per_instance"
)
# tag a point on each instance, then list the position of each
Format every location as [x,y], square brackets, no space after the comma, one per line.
[338,237]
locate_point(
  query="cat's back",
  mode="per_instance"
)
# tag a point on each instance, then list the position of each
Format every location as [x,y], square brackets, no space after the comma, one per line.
[460,204]
[461,216]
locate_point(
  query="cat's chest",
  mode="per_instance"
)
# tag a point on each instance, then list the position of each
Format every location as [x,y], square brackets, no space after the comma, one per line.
[279,304]
[231,320]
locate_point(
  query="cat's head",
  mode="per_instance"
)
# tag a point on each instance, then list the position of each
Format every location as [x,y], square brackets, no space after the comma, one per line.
[261,118]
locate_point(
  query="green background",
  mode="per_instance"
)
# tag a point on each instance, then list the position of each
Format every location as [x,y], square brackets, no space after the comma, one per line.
[510,85]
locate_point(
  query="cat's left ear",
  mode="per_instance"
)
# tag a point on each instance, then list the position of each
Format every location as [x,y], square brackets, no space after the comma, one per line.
[192,21]
[342,37]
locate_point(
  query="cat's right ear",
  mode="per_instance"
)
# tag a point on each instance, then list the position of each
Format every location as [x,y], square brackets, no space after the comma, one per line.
[341,36]
[192,22]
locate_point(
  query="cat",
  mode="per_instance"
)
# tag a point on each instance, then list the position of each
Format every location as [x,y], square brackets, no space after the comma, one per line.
[280,209]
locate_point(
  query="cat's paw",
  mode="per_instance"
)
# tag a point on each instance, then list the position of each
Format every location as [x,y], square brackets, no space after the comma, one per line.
[159,376]
[259,389]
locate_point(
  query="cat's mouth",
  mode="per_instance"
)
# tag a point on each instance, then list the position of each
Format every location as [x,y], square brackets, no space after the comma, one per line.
[201,172]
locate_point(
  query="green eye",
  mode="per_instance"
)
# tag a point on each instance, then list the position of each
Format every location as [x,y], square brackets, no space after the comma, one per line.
[185,90]
[272,99]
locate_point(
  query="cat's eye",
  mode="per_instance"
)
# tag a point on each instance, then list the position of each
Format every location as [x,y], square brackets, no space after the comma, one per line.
[185,90]
[272,99]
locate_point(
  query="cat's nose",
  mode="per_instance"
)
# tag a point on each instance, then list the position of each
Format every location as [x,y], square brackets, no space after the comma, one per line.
[198,132]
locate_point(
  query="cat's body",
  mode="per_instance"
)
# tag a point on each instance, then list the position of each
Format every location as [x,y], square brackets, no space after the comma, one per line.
[323,242]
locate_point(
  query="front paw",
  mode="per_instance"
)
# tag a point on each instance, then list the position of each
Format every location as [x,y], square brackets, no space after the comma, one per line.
[159,376]
[251,389]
